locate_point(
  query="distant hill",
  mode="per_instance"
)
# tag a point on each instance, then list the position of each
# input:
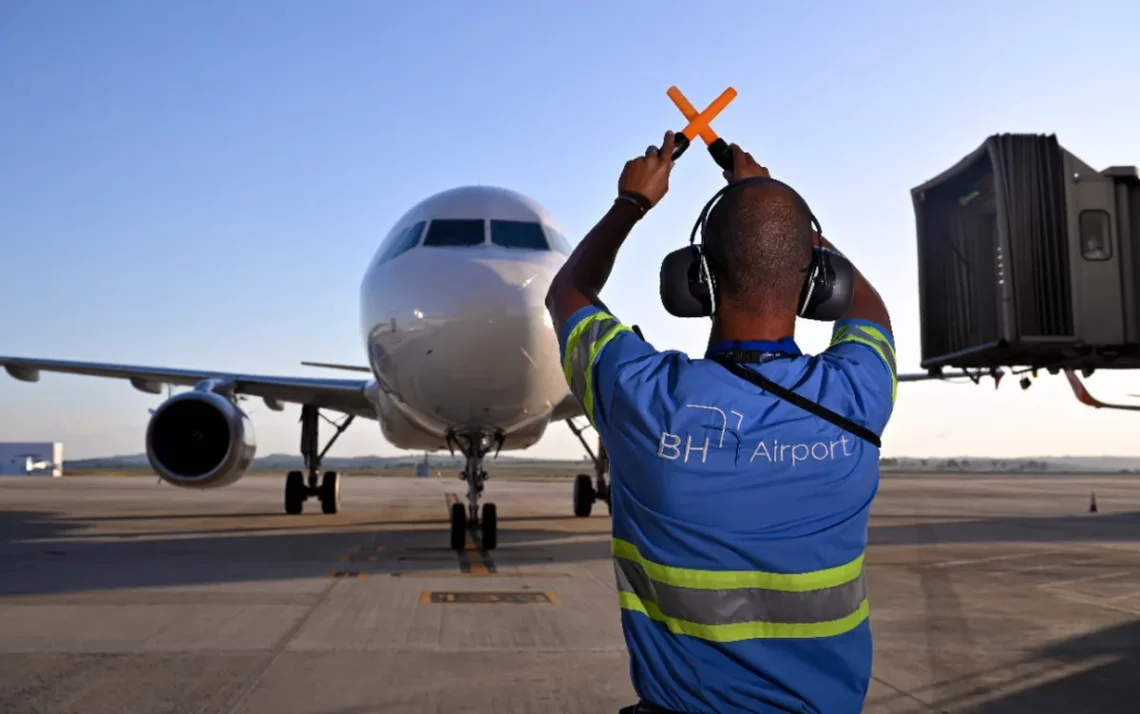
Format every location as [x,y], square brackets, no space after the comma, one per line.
[1046,464]
[444,461]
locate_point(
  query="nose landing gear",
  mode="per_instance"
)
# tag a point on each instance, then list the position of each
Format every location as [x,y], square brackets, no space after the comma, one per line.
[475,449]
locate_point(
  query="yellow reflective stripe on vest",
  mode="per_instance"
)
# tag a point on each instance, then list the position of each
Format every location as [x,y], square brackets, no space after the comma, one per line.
[726,579]
[727,606]
[584,343]
[877,341]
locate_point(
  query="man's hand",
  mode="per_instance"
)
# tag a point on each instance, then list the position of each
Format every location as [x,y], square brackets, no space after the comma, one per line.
[743,166]
[647,177]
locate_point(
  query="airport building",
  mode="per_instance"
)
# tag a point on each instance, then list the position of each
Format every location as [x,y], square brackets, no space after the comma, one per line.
[31,458]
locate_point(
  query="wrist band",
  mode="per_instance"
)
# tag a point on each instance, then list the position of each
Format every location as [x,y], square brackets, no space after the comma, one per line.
[634,201]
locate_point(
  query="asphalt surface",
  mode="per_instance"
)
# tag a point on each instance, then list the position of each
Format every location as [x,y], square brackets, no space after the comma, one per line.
[988,594]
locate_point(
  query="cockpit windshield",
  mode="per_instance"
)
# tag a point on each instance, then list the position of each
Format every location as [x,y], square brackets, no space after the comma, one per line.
[402,242]
[518,234]
[455,232]
[558,241]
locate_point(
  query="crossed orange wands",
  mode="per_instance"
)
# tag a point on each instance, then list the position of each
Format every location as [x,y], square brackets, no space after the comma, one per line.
[699,126]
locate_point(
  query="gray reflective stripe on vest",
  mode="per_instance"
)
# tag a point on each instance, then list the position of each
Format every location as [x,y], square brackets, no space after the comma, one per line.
[580,357]
[728,607]
[883,345]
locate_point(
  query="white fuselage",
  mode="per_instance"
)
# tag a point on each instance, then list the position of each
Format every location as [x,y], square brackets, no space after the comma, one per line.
[458,337]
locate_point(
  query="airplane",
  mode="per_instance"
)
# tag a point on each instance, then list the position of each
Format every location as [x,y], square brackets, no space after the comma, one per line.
[1084,397]
[462,354]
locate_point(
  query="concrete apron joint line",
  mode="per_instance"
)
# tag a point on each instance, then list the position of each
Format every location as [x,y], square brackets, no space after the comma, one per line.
[473,560]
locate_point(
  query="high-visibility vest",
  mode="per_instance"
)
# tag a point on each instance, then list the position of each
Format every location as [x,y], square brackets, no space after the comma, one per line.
[739,520]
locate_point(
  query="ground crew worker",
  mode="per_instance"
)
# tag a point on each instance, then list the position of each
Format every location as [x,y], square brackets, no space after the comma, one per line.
[739,519]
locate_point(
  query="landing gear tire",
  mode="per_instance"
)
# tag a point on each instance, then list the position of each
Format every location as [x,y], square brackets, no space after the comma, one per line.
[583,496]
[490,526]
[330,492]
[300,485]
[458,526]
[295,492]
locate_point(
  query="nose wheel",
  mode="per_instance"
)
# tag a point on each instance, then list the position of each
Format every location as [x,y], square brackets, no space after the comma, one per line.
[468,518]
[489,527]
[458,527]
[462,523]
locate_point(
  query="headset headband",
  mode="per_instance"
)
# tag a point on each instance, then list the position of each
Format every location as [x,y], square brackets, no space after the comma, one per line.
[702,220]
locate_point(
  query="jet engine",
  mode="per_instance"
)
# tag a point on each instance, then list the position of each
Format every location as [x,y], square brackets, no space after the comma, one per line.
[200,439]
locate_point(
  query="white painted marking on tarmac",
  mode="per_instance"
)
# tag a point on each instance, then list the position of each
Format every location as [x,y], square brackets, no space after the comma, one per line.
[1084,600]
[1125,596]
[1050,564]
[994,558]
[1086,579]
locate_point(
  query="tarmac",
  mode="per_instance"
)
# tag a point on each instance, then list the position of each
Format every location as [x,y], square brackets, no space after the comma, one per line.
[119,594]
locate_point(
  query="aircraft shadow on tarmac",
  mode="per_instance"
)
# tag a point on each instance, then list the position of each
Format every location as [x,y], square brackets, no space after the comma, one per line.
[85,562]
[163,558]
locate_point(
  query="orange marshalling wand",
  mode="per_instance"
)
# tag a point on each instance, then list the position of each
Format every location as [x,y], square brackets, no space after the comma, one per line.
[699,121]
[699,126]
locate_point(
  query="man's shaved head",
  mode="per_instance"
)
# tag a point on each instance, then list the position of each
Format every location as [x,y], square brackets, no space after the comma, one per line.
[758,242]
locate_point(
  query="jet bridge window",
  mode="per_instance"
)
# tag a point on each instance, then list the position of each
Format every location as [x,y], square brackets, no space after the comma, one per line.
[518,234]
[455,232]
[1096,235]
[403,241]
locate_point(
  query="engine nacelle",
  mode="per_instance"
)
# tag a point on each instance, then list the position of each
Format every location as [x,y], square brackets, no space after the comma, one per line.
[200,439]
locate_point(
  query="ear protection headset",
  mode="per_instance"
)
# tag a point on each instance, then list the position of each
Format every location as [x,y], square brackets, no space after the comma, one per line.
[688,286]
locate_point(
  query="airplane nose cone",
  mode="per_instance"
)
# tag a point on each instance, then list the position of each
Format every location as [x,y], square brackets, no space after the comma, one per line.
[470,345]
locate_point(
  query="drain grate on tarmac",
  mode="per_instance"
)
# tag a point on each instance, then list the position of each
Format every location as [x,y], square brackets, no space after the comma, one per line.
[488,597]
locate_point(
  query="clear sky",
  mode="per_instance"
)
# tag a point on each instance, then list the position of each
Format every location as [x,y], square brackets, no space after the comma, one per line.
[201,184]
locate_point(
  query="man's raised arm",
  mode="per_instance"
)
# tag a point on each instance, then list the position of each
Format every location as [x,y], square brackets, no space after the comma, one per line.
[866,303]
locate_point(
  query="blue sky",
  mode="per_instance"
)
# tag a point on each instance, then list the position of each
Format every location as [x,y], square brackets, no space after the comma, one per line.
[201,184]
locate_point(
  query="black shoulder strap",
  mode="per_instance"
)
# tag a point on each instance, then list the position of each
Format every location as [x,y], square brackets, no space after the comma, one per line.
[806,404]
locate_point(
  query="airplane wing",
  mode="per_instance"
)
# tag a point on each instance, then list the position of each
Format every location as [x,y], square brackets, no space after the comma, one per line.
[1084,397]
[975,377]
[343,395]
[569,408]
[333,365]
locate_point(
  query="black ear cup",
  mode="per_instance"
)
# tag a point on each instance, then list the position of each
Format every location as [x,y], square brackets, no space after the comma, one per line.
[684,292]
[830,287]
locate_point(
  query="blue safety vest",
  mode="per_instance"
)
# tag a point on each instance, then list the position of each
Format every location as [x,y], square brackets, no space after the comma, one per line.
[739,519]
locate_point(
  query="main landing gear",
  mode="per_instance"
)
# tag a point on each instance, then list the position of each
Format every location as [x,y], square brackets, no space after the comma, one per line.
[326,488]
[475,448]
[586,493]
